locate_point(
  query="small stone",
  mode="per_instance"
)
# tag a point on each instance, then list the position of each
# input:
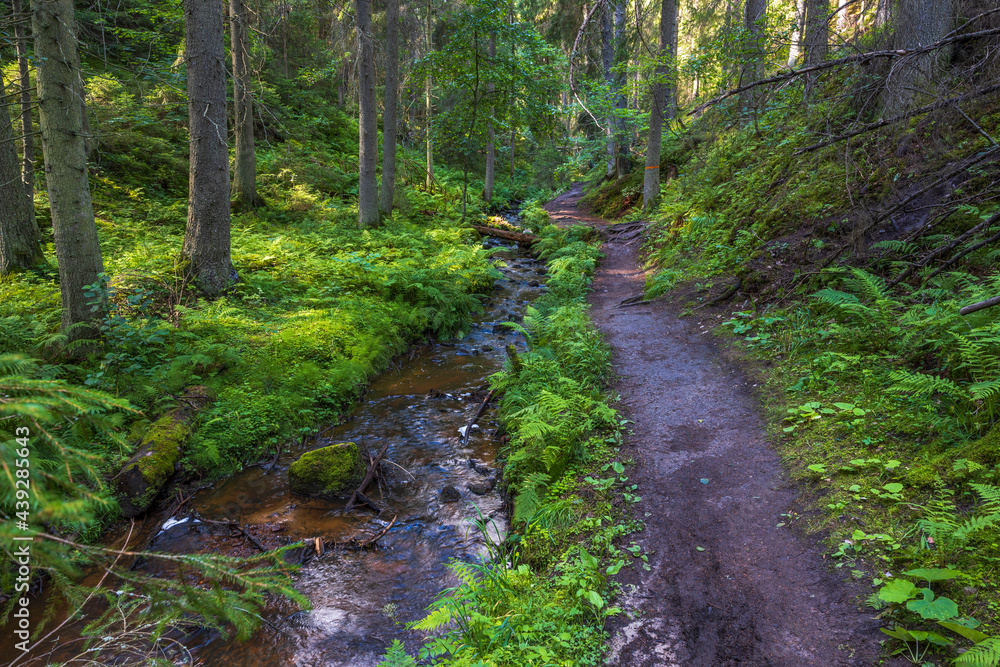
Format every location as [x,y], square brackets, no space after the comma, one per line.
[450,494]
[534,283]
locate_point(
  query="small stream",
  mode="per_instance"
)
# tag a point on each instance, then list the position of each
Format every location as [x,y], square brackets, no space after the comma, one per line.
[356,595]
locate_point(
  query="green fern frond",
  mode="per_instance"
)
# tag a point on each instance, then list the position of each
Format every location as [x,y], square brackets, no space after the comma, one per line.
[984,654]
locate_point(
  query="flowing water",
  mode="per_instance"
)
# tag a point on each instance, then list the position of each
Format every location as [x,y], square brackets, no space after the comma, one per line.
[419,408]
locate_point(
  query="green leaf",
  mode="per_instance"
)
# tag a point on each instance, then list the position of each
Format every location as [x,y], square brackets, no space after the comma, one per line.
[931,609]
[898,591]
[899,632]
[933,574]
[894,487]
[932,637]
[973,635]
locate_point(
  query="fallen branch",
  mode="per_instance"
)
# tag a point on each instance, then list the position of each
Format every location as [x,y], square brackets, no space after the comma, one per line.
[479,413]
[939,251]
[525,239]
[972,248]
[989,303]
[369,476]
[238,526]
[951,101]
[858,58]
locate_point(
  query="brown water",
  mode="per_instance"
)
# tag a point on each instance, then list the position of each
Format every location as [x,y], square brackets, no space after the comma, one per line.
[419,408]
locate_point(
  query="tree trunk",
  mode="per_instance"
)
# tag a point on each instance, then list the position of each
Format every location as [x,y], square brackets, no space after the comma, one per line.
[753,22]
[490,137]
[623,160]
[245,171]
[429,102]
[368,125]
[19,238]
[389,117]
[27,126]
[61,114]
[795,47]
[206,240]
[607,60]
[664,105]
[817,39]
[917,23]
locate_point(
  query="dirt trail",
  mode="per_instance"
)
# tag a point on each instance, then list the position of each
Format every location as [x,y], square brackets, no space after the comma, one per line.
[757,594]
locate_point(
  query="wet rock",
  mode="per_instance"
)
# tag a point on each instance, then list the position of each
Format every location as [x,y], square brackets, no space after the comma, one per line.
[329,472]
[487,348]
[534,283]
[480,468]
[450,494]
[483,489]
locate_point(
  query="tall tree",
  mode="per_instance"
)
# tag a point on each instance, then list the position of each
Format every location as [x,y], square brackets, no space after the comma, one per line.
[817,38]
[490,136]
[206,240]
[664,101]
[798,29]
[429,102]
[27,125]
[623,160]
[607,62]
[61,116]
[19,238]
[754,12]
[368,126]
[917,23]
[245,171]
[389,121]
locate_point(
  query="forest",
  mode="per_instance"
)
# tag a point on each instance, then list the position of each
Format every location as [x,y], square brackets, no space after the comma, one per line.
[500,332]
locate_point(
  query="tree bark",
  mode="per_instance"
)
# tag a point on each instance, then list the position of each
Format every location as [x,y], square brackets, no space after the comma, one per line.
[607,61]
[664,105]
[368,125]
[916,23]
[27,126]
[795,47]
[389,117]
[245,171]
[429,102]
[19,238]
[490,136]
[206,240]
[61,115]
[754,12]
[623,160]
[817,38]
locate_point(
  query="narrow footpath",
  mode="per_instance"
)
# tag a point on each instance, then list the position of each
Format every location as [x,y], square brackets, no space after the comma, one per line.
[727,586]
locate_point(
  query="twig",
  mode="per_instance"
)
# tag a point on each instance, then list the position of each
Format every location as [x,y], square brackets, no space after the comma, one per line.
[237,526]
[358,493]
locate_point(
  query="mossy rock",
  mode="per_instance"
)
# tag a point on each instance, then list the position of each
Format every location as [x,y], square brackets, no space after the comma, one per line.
[146,473]
[328,472]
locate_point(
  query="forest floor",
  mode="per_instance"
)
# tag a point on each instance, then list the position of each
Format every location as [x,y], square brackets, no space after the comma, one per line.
[726,585]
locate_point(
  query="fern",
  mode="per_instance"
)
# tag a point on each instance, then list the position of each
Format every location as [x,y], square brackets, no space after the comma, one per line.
[922,384]
[984,654]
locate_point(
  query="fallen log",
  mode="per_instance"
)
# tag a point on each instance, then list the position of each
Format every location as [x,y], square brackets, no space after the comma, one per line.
[369,476]
[524,239]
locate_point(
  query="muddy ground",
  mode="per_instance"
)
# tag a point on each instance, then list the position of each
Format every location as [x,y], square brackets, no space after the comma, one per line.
[726,586]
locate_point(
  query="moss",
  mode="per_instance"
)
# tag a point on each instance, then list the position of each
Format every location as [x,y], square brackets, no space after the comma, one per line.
[986,450]
[149,470]
[328,472]
[163,443]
